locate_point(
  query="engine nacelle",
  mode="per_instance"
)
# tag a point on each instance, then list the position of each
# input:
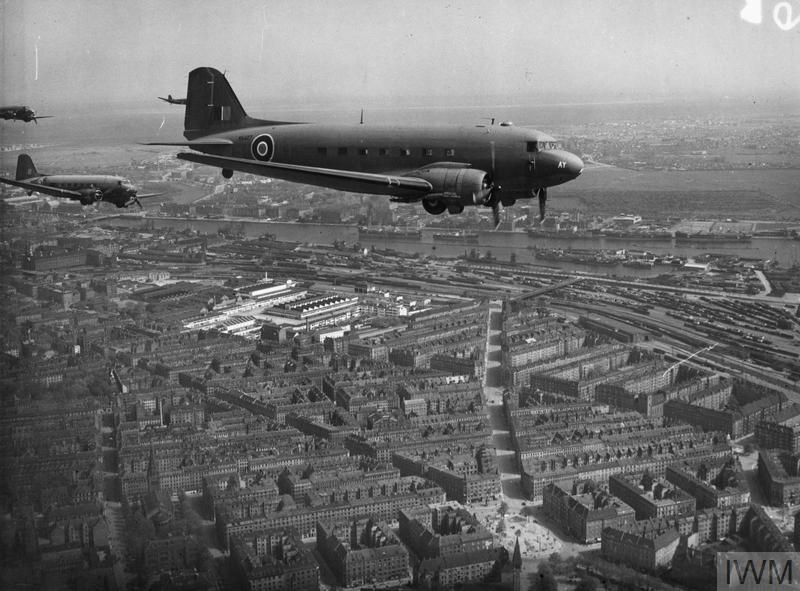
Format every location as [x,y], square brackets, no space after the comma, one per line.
[89,197]
[457,186]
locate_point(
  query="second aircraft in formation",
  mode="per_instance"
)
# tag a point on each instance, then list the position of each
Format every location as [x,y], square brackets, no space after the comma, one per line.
[21,113]
[86,188]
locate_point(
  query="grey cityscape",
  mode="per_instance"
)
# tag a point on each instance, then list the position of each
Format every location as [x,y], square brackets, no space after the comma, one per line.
[227,365]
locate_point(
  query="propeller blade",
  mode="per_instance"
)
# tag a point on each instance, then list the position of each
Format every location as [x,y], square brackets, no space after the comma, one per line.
[496,214]
[483,196]
[542,202]
[137,202]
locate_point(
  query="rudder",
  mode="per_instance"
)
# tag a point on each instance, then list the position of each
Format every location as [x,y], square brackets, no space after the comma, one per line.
[211,105]
[25,168]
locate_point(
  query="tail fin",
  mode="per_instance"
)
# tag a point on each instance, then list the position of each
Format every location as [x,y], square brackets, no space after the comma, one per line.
[212,106]
[25,168]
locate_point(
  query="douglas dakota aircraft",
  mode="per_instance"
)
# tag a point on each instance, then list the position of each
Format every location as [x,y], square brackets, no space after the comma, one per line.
[21,113]
[444,167]
[173,101]
[85,188]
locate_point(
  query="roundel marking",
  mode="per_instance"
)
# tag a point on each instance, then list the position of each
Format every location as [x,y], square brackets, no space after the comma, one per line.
[263,147]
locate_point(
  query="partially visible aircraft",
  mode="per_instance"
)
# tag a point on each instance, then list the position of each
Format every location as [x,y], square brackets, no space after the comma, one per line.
[86,188]
[173,101]
[21,113]
[444,167]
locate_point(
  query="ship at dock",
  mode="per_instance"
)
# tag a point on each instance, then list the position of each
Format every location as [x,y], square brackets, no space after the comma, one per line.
[639,263]
[388,233]
[456,237]
[655,236]
[582,256]
[542,233]
[716,237]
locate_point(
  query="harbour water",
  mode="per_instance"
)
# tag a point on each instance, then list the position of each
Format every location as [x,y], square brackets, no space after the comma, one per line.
[501,245]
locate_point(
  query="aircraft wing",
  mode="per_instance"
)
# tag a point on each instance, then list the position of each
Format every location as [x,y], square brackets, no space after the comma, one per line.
[147,195]
[191,144]
[44,189]
[409,187]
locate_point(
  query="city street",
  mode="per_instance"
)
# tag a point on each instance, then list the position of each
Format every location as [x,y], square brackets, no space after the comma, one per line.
[112,511]
[537,541]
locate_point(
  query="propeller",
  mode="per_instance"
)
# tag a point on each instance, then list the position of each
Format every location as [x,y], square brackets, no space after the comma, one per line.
[133,197]
[542,194]
[488,196]
[494,202]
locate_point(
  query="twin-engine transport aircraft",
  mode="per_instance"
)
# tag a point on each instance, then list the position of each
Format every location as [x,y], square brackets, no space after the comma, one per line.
[444,167]
[21,113]
[173,101]
[85,188]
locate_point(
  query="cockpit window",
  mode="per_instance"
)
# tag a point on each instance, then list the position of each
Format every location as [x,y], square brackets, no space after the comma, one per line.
[549,145]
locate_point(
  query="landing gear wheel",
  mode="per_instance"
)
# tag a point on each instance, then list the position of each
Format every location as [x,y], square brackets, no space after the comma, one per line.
[434,207]
[227,173]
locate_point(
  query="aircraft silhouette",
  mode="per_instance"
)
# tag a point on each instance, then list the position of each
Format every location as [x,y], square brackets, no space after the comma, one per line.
[21,113]
[173,101]
[86,188]
[445,167]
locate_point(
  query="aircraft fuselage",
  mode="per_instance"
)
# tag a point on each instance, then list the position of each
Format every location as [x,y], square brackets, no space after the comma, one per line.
[443,167]
[520,157]
[17,113]
[113,189]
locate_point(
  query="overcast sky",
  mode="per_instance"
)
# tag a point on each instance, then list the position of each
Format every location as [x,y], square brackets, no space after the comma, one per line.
[294,51]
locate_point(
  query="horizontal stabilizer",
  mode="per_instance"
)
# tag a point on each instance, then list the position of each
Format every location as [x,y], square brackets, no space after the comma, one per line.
[343,180]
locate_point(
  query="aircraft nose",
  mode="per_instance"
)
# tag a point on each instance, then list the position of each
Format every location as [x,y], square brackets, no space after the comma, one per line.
[574,165]
[553,167]
[569,163]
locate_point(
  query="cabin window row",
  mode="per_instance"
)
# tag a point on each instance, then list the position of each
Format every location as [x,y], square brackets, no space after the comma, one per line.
[536,146]
[428,152]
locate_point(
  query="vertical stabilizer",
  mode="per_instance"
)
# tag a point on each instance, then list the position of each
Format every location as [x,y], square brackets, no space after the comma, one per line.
[211,105]
[25,168]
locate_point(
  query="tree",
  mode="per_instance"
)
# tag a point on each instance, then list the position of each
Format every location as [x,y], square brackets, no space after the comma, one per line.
[528,511]
[544,579]
[555,562]
[502,509]
[586,584]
